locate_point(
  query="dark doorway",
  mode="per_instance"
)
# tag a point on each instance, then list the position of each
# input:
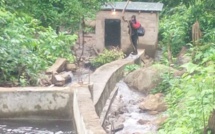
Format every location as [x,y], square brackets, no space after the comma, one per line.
[112,33]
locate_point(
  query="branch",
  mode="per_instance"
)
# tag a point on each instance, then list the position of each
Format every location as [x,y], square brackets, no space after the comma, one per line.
[82,25]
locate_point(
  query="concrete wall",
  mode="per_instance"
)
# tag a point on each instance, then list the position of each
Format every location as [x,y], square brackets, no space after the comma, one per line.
[36,103]
[104,80]
[86,119]
[148,20]
[77,102]
[88,102]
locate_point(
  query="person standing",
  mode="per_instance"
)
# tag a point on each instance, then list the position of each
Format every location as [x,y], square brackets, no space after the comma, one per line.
[134,25]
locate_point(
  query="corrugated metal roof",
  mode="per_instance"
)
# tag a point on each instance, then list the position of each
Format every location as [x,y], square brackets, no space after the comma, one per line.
[134,6]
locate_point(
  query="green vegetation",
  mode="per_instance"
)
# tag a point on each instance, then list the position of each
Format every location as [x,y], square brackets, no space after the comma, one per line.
[190,98]
[130,68]
[107,56]
[27,48]
[55,13]
[30,41]
[31,38]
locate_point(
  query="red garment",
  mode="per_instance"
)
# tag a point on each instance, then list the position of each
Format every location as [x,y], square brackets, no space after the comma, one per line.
[136,25]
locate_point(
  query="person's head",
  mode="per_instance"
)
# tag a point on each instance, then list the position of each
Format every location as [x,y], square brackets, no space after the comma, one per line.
[133,18]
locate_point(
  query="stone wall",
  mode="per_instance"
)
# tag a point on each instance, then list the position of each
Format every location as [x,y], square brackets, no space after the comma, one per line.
[149,20]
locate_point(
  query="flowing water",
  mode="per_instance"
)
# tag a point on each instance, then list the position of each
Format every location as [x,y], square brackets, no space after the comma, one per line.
[36,127]
[126,107]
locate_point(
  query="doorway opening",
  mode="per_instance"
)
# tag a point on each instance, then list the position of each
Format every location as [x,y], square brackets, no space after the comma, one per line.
[112,33]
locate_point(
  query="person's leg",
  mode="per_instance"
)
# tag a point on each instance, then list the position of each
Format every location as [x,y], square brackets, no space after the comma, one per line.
[134,40]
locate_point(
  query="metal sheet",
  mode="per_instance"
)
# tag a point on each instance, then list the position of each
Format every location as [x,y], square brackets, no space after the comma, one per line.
[134,6]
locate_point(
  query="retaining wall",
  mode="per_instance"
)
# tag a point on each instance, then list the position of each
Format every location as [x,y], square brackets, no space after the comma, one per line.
[89,102]
[36,103]
[79,102]
[104,80]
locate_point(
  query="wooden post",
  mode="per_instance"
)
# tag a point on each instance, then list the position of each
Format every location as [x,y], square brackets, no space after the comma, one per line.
[123,18]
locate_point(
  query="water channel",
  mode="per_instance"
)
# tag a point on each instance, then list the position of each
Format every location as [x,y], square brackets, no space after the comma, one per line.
[125,108]
[11,126]
[36,127]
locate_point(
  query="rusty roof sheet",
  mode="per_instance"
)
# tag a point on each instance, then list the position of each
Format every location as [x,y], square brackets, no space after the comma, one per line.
[134,6]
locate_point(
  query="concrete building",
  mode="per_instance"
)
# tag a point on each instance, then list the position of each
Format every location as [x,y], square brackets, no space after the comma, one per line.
[112,30]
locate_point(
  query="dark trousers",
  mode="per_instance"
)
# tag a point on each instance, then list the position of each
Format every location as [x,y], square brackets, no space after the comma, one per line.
[134,41]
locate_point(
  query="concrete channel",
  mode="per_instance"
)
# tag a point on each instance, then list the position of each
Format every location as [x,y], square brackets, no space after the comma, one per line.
[82,105]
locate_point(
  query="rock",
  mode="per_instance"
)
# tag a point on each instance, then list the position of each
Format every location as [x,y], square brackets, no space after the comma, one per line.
[147,60]
[108,128]
[117,127]
[179,73]
[116,107]
[121,119]
[67,76]
[145,79]
[159,121]
[184,60]
[71,67]
[45,82]
[122,110]
[152,112]
[61,79]
[142,122]
[57,67]
[58,80]
[137,133]
[153,103]
[182,57]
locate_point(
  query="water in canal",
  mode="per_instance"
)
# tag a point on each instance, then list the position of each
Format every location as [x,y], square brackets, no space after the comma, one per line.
[36,127]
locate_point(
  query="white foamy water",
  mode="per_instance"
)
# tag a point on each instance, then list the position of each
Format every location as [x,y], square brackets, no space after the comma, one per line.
[130,100]
[28,127]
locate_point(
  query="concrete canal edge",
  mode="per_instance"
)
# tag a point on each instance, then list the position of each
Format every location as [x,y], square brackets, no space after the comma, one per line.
[36,103]
[79,103]
[88,103]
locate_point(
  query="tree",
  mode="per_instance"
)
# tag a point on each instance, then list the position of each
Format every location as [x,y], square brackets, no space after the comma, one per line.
[55,13]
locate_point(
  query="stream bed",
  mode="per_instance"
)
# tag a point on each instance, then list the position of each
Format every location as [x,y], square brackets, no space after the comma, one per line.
[125,112]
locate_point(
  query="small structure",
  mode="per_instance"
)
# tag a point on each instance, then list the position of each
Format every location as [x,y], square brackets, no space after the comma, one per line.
[111,30]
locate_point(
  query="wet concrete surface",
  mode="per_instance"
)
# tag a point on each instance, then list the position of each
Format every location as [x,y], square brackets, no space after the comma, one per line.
[36,127]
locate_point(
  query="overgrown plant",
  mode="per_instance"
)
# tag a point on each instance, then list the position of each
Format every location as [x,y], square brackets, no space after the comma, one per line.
[26,48]
[190,100]
[164,86]
[174,30]
[55,13]
[130,68]
[107,56]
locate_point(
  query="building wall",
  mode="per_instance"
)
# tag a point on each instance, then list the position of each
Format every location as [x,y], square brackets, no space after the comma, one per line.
[148,20]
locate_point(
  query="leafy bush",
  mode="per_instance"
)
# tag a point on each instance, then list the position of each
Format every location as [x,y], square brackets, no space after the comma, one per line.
[191,98]
[54,13]
[107,56]
[130,68]
[190,102]
[164,86]
[27,48]
[174,29]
